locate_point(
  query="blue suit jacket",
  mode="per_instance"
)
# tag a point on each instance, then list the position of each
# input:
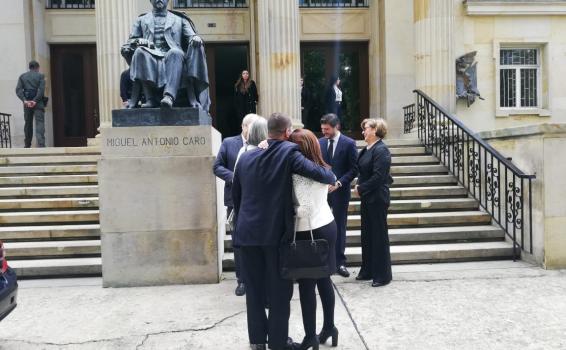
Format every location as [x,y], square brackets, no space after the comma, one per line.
[344,165]
[224,164]
[263,192]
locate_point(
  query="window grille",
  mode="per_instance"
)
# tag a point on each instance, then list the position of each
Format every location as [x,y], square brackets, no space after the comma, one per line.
[519,75]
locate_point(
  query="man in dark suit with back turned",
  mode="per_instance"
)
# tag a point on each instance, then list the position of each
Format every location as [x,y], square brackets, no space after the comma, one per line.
[31,90]
[263,203]
[340,152]
[224,169]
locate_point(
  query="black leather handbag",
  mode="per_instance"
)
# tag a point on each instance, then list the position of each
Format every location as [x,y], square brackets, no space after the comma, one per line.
[304,258]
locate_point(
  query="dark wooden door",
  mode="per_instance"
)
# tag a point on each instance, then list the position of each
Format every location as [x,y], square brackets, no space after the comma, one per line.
[75,94]
[225,63]
[349,62]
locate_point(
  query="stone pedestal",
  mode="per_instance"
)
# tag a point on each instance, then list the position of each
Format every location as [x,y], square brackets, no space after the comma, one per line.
[159,216]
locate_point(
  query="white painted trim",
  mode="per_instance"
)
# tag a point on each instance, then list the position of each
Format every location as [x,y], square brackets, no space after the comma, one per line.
[515,8]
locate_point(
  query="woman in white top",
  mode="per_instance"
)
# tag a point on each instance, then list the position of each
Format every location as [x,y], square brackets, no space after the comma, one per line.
[333,97]
[313,213]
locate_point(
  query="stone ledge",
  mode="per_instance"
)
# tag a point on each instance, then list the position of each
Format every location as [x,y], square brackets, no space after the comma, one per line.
[554,129]
[515,8]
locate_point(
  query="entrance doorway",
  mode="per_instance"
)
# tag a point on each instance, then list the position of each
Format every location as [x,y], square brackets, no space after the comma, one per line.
[349,62]
[75,94]
[225,63]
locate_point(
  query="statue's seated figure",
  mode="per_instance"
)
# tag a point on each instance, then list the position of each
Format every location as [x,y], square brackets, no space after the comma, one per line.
[166,57]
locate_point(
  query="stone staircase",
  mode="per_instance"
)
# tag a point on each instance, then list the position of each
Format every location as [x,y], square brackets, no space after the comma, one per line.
[49,213]
[432,218]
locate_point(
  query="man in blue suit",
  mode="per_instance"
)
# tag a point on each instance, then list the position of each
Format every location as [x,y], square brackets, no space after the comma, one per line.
[340,152]
[263,204]
[224,169]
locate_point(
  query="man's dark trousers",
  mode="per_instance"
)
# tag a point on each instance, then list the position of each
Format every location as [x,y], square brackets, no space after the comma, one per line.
[39,114]
[261,262]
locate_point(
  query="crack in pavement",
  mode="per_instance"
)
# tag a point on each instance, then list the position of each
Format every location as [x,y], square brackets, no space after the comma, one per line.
[350,316]
[199,329]
[145,337]
[441,279]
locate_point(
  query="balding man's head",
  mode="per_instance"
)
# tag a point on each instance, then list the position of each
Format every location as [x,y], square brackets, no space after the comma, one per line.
[279,126]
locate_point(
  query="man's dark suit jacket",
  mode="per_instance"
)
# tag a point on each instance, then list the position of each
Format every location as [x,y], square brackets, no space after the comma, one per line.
[263,192]
[344,166]
[224,164]
[374,179]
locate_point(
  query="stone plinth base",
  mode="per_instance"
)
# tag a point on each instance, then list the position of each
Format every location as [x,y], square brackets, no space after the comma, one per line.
[160,117]
[158,206]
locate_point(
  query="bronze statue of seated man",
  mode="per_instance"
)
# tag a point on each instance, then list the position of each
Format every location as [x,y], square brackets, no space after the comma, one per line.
[165,54]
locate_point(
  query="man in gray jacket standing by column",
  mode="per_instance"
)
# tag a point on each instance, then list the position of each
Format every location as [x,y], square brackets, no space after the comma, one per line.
[31,90]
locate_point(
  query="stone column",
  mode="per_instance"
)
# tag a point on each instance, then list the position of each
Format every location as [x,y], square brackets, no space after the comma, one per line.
[278,58]
[113,22]
[434,41]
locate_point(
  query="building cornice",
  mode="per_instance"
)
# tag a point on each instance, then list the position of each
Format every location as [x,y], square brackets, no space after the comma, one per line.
[515,8]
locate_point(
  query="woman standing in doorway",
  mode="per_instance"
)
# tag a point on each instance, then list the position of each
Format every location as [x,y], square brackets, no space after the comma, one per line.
[374,164]
[333,97]
[245,97]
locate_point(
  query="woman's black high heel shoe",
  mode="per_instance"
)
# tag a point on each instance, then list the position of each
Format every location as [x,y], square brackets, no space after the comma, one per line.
[308,343]
[327,333]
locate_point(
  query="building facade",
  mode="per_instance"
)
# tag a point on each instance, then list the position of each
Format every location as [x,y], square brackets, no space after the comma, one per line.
[381,49]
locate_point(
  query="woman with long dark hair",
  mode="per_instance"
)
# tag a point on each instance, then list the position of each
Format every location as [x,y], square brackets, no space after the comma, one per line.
[314,214]
[374,179]
[333,97]
[245,97]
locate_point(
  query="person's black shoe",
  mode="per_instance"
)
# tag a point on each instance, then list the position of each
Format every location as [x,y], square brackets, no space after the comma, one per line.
[379,283]
[240,289]
[342,271]
[167,101]
[328,333]
[362,277]
[307,343]
[258,347]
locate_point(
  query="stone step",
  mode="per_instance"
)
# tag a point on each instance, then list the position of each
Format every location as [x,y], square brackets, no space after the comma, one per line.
[421,180]
[420,192]
[55,232]
[424,234]
[9,152]
[409,150]
[46,217]
[426,253]
[395,143]
[49,160]
[418,169]
[459,218]
[414,160]
[34,250]
[82,190]
[420,205]
[48,180]
[48,169]
[70,267]
[48,203]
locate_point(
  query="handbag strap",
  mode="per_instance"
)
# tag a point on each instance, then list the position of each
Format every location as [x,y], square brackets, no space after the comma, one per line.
[295,230]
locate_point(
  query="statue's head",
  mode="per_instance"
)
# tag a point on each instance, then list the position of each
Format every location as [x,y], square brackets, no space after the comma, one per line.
[159,4]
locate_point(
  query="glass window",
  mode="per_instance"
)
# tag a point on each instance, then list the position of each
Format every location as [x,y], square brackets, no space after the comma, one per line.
[519,74]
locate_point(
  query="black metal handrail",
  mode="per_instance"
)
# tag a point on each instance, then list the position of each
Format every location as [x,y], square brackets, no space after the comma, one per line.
[5,135]
[333,3]
[185,4]
[409,118]
[70,4]
[481,169]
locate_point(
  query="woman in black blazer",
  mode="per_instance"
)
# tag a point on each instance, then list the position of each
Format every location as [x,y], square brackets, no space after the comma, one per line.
[374,179]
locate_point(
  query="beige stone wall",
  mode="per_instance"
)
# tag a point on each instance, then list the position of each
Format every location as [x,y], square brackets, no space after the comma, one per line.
[506,25]
[534,150]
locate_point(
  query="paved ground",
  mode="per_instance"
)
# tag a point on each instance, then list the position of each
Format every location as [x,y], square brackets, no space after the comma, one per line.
[496,305]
